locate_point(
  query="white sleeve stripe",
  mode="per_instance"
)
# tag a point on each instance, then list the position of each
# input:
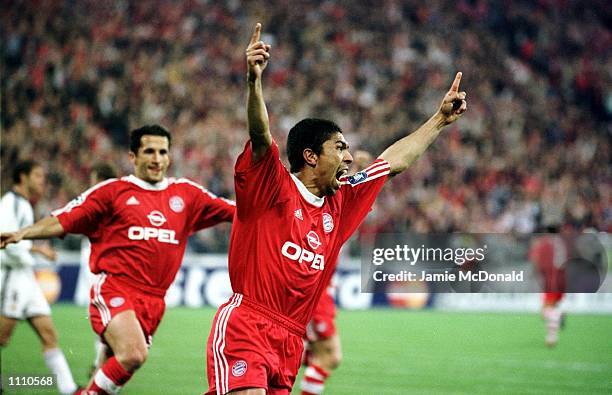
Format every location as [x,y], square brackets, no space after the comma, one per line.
[371,170]
[376,164]
[375,176]
[195,184]
[206,191]
[370,178]
[385,170]
[81,198]
[228,201]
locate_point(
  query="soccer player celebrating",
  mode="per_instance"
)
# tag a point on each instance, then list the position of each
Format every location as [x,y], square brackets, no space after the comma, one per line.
[138,227]
[21,297]
[288,231]
[323,351]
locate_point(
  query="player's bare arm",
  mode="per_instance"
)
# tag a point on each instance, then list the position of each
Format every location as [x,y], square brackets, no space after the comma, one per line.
[46,228]
[404,152]
[257,55]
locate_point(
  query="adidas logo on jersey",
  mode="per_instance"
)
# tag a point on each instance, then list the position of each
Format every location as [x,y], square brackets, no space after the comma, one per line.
[298,214]
[132,201]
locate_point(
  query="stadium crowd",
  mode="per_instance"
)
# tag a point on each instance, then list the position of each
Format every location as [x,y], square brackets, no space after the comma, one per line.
[533,149]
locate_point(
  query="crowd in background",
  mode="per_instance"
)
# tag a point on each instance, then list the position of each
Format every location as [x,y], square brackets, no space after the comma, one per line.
[531,152]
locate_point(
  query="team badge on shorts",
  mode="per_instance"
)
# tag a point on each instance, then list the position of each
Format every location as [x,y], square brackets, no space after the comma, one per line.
[117,301]
[177,204]
[239,368]
[328,223]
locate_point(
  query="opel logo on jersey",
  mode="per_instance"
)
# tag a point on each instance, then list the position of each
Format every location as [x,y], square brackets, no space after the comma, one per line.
[302,255]
[328,223]
[313,240]
[156,218]
[176,204]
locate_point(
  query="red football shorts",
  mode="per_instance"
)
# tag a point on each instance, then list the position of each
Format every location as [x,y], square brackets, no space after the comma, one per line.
[553,278]
[110,296]
[323,323]
[551,298]
[250,346]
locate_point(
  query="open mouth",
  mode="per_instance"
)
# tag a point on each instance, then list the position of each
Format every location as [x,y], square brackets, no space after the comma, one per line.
[341,173]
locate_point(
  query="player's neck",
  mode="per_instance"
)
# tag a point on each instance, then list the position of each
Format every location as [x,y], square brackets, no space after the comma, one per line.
[309,181]
[22,190]
[145,184]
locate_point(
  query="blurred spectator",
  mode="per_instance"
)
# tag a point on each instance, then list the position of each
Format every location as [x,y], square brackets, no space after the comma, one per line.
[533,148]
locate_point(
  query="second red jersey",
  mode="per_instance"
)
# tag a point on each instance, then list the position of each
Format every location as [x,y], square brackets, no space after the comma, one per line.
[138,230]
[285,241]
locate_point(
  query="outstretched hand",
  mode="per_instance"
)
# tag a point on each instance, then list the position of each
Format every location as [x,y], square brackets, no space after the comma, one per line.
[454,104]
[257,54]
[9,238]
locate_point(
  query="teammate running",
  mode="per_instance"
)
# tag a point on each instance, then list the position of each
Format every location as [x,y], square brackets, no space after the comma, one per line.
[138,227]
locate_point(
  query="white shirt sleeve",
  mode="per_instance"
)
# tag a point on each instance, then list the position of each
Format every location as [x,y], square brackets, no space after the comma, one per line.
[16,213]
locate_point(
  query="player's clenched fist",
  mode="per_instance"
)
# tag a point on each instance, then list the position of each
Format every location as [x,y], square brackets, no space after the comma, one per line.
[257,54]
[454,104]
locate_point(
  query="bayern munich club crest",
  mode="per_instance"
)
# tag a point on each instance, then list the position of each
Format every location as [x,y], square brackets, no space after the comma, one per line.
[328,222]
[313,240]
[177,204]
[239,368]
[117,301]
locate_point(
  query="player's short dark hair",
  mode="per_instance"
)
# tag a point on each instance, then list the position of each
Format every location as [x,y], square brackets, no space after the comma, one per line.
[150,130]
[308,133]
[24,167]
[104,171]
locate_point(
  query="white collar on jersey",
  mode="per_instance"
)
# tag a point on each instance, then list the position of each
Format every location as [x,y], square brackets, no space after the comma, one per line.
[306,194]
[160,186]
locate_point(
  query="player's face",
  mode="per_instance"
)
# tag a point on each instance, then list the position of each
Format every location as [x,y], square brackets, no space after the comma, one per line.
[152,160]
[332,164]
[35,181]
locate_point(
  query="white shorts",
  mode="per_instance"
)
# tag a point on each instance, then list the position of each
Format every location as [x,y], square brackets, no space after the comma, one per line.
[20,294]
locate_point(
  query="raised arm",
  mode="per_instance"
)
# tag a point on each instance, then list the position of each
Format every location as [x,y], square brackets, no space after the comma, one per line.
[405,151]
[46,228]
[257,54]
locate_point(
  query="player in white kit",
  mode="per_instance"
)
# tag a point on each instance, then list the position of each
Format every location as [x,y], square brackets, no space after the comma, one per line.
[20,295]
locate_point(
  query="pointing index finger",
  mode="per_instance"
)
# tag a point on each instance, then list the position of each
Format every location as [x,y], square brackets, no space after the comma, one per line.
[455,85]
[256,33]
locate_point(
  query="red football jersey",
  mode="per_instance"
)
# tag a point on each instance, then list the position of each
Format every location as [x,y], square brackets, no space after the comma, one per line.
[140,230]
[550,254]
[285,241]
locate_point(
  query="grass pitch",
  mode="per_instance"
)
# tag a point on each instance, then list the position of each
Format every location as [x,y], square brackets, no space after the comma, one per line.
[385,352]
